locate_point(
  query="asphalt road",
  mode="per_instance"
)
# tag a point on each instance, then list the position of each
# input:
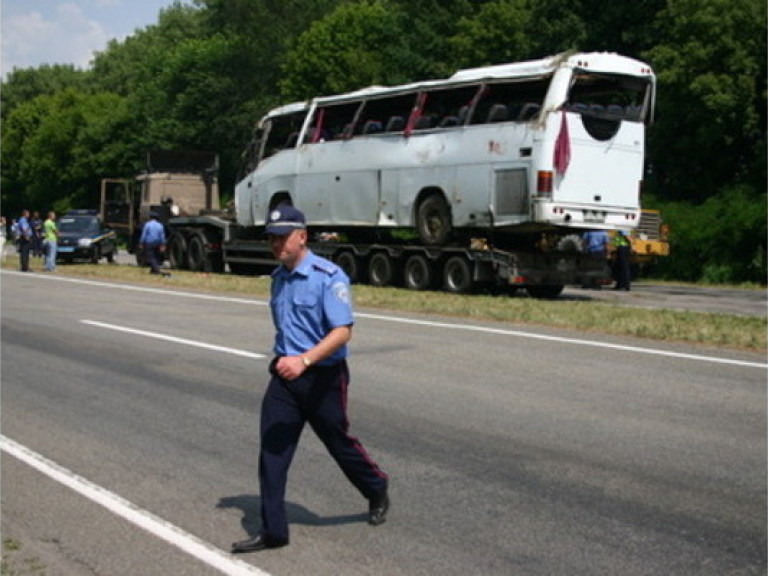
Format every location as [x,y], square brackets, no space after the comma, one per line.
[511,450]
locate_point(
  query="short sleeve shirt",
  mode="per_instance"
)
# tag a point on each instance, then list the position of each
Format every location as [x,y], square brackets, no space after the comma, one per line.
[49,229]
[307,303]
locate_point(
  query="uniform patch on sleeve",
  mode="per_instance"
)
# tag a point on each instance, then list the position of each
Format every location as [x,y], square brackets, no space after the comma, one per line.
[341,291]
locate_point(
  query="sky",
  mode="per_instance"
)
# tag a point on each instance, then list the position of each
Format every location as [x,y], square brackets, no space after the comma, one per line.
[35,32]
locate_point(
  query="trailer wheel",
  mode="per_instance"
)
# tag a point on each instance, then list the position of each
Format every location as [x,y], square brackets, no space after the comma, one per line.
[347,261]
[457,275]
[197,260]
[433,220]
[546,292]
[418,273]
[381,270]
[177,252]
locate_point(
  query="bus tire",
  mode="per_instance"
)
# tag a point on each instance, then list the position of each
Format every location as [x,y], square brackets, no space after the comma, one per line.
[457,275]
[433,220]
[545,291]
[177,252]
[418,273]
[381,270]
[347,261]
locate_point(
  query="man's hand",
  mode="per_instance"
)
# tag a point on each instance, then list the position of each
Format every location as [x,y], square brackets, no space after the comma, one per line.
[290,367]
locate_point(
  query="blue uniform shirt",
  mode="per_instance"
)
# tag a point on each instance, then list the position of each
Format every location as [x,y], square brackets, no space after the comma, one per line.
[307,303]
[153,234]
[597,241]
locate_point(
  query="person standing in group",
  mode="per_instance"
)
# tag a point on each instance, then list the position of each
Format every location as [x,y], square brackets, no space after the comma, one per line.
[312,313]
[623,265]
[37,234]
[50,241]
[24,240]
[152,244]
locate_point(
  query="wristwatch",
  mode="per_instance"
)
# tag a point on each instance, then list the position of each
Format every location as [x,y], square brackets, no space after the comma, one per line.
[307,361]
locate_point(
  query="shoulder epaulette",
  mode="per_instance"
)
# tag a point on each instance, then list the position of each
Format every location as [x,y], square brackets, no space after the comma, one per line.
[324,266]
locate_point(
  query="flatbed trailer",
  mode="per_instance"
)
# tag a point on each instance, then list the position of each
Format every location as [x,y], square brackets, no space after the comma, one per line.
[215,243]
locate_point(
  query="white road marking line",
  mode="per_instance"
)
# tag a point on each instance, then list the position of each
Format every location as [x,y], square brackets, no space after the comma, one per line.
[158,336]
[488,330]
[636,349]
[155,525]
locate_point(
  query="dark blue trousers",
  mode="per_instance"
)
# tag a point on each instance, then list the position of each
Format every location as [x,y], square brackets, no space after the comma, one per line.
[318,396]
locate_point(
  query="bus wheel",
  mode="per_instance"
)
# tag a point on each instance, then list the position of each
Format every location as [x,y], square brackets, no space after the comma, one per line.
[197,260]
[433,220]
[457,275]
[347,261]
[381,270]
[546,291]
[177,252]
[418,273]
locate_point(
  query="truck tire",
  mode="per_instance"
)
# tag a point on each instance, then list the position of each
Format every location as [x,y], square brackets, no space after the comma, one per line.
[177,252]
[381,270]
[418,274]
[347,261]
[111,256]
[545,292]
[457,275]
[433,220]
[197,259]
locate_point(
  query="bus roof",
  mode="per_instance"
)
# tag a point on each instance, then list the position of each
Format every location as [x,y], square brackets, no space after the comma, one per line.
[595,61]
[608,62]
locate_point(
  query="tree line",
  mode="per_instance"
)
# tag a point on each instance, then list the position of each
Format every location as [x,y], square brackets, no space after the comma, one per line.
[204,73]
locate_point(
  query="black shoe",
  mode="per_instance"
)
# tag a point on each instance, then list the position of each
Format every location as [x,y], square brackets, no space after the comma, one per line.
[257,543]
[377,509]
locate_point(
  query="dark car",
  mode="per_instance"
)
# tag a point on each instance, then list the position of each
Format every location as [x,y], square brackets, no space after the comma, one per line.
[82,236]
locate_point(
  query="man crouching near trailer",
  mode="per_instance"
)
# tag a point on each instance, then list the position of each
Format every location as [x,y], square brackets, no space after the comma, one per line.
[312,313]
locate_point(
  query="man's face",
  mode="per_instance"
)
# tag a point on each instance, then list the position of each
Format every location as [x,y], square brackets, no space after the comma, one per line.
[289,249]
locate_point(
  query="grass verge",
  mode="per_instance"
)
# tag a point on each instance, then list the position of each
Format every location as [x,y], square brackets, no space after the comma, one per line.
[716,330]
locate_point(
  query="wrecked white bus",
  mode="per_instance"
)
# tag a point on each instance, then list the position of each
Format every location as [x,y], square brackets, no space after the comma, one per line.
[558,142]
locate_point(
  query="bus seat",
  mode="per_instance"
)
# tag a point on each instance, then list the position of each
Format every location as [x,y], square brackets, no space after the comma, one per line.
[528,112]
[395,124]
[449,121]
[597,109]
[633,112]
[497,113]
[423,122]
[372,126]
[292,140]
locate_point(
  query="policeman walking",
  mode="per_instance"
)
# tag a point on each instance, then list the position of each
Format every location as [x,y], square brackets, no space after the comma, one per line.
[312,313]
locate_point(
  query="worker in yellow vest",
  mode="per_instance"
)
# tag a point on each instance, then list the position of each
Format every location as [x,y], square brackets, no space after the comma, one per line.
[623,270]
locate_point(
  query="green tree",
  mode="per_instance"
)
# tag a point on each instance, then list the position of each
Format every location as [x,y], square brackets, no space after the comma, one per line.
[710,63]
[22,85]
[495,34]
[356,45]
[57,147]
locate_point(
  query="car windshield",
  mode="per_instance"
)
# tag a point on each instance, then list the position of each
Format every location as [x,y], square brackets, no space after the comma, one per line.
[79,225]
